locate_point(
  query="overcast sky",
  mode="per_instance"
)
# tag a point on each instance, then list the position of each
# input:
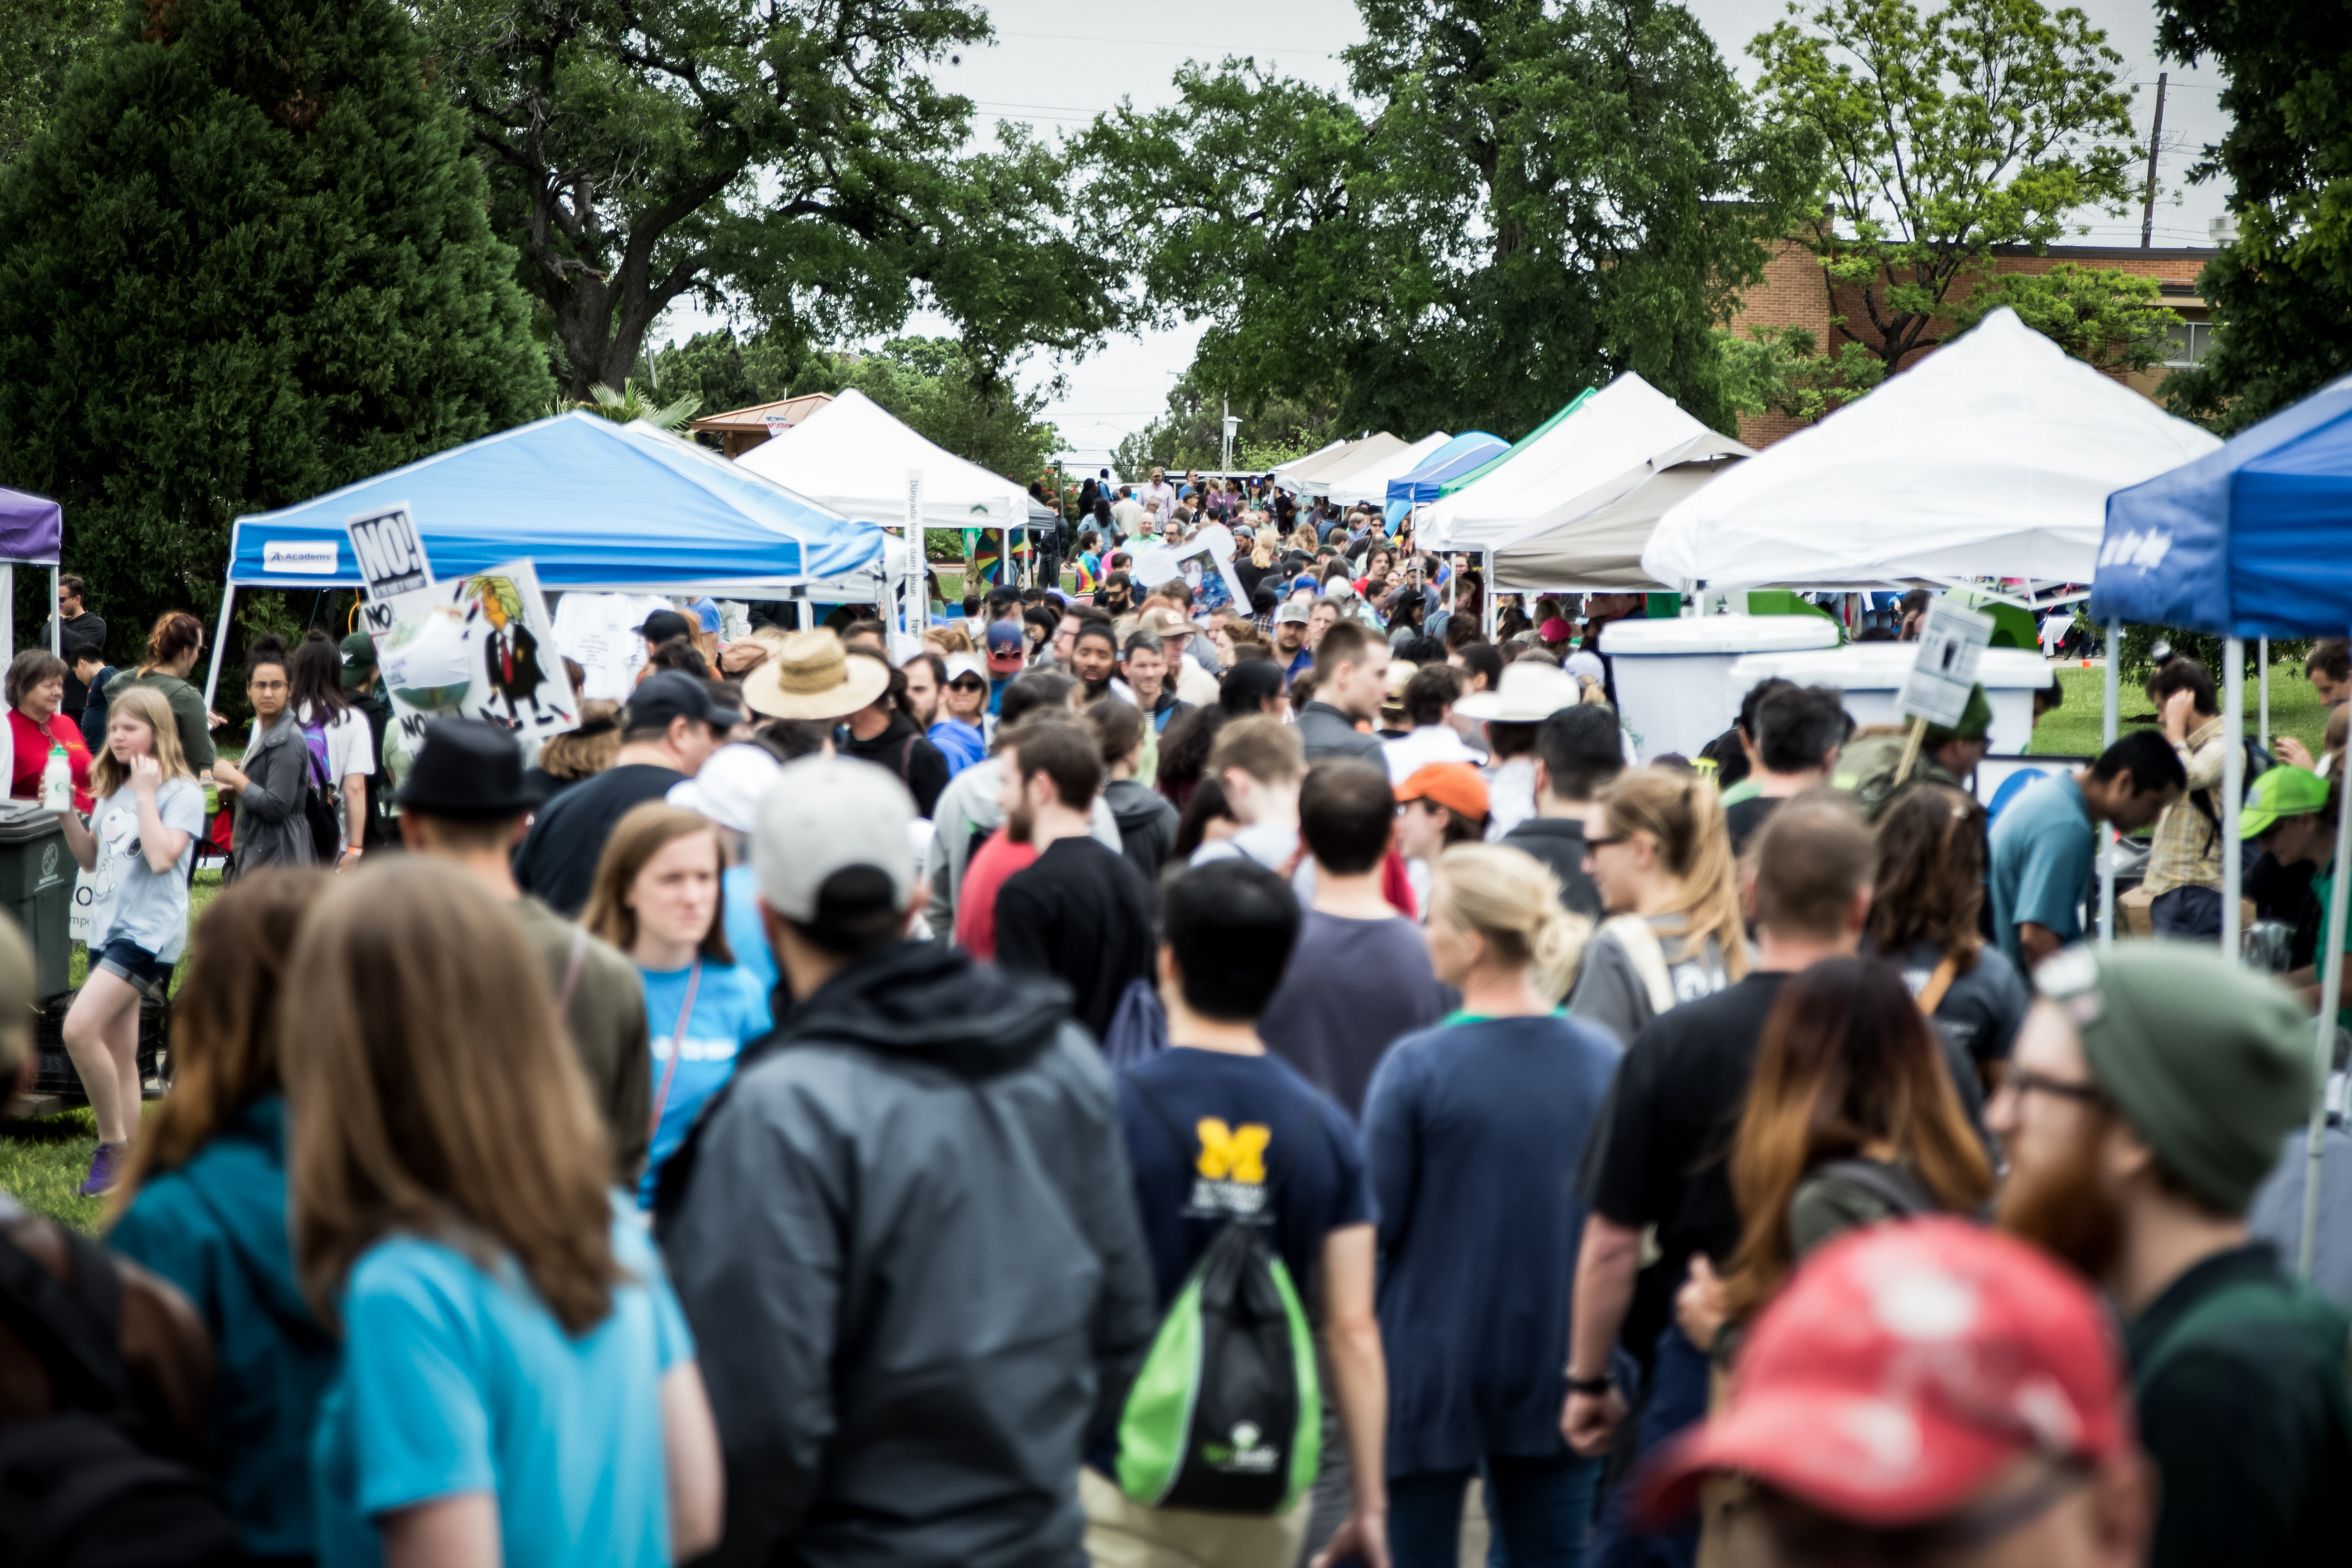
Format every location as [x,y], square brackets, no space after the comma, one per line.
[1058,63]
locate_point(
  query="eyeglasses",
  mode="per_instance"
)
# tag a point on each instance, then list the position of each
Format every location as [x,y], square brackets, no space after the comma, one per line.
[1606,840]
[2024,1081]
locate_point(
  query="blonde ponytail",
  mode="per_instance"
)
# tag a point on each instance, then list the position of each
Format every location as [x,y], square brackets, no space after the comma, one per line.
[1512,900]
[1684,814]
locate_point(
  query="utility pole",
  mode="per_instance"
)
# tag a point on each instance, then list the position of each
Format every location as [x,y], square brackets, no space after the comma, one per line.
[2147,212]
[1226,422]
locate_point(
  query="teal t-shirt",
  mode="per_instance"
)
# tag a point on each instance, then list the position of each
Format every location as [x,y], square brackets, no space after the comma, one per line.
[2042,851]
[456,1379]
[746,937]
[731,1011]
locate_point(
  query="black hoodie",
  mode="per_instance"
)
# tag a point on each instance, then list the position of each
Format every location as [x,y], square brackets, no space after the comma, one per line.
[908,1246]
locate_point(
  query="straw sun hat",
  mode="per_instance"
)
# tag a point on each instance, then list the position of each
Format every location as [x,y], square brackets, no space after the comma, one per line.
[811,675]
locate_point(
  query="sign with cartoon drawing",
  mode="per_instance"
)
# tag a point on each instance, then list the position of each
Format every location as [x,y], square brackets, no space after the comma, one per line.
[478,647]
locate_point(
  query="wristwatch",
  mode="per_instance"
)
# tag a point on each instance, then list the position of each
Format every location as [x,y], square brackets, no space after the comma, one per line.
[1595,1386]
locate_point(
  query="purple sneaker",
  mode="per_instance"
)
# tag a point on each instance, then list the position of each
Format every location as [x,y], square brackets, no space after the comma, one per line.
[105,1166]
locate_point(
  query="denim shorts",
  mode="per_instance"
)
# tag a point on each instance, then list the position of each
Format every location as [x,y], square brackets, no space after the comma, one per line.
[133,963]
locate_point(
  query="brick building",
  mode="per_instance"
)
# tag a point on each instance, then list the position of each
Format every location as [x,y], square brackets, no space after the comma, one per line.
[1791,294]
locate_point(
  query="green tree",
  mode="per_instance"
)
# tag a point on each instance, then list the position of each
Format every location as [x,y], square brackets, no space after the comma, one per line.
[1987,123]
[1191,434]
[789,156]
[40,41]
[247,261]
[2282,291]
[1532,197]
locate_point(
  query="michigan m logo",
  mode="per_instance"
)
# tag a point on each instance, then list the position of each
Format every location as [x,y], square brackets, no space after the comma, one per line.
[1231,1154]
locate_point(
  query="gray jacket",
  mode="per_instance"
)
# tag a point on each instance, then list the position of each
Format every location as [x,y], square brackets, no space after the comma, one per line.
[905,1236]
[271,829]
[1328,732]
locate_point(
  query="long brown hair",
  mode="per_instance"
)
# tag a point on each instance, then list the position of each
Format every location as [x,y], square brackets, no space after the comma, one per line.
[1930,882]
[1683,815]
[224,1018]
[589,749]
[1846,1060]
[147,706]
[642,833]
[433,1092]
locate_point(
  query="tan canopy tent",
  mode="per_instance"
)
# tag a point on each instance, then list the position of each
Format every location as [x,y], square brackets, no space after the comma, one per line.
[1593,543]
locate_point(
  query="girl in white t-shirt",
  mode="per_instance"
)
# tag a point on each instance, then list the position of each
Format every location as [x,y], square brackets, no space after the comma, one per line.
[139,842]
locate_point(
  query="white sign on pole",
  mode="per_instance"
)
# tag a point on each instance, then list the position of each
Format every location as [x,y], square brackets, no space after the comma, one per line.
[389,550]
[1951,642]
[479,647]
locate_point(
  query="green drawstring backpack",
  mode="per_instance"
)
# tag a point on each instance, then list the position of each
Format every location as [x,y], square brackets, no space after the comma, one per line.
[1226,1413]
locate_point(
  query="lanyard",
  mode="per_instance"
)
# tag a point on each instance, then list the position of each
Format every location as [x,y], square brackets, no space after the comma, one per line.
[677,1045]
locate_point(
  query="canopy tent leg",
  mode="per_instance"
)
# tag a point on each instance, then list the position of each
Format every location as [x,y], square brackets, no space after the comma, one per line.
[1488,619]
[8,609]
[220,644]
[57,622]
[2323,1049]
[2233,789]
[2107,844]
[2263,663]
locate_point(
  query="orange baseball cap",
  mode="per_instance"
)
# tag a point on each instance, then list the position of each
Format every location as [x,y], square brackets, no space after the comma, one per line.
[1453,785]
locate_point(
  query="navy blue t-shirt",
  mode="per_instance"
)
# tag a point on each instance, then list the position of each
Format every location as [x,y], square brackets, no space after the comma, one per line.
[1244,1121]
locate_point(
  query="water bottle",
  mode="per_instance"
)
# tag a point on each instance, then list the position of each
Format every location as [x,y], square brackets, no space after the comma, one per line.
[57,780]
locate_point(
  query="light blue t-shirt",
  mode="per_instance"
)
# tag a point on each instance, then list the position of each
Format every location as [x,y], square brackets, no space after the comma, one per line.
[961,744]
[2042,851]
[747,937]
[731,1011]
[456,1380]
[139,904]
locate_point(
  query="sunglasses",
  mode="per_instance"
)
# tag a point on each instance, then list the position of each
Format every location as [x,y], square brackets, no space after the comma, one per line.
[1606,840]
[967,683]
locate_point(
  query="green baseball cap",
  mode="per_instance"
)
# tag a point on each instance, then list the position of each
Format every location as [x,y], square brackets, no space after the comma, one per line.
[2210,1061]
[2282,791]
[359,660]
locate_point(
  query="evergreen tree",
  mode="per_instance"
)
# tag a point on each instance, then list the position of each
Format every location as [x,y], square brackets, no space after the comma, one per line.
[245,261]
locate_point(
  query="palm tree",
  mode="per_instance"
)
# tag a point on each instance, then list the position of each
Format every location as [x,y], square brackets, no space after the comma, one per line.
[629,405]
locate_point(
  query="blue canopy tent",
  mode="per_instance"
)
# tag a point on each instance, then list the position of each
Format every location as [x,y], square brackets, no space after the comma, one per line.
[594,504]
[2252,540]
[1466,452]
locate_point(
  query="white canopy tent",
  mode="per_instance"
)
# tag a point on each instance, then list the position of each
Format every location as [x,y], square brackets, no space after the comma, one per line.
[1992,457]
[1327,449]
[1371,481]
[866,462]
[1312,475]
[1617,427]
[1593,543]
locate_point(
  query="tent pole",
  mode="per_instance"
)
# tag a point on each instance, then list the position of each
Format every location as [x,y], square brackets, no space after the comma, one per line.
[220,644]
[2107,844]
[2323,1049]
[2263,663]
[2233,788]
[57,622]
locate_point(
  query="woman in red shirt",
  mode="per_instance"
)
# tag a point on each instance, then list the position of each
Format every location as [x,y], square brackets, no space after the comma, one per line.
[35,686]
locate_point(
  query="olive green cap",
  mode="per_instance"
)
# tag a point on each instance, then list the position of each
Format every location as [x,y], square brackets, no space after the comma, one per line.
[2210,1061]
[1975,721]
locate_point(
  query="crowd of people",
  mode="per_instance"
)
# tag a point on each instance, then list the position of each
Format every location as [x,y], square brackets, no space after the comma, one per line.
[1128,1083]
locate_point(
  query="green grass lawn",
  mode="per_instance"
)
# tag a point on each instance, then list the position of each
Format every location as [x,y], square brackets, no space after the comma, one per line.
[44,1159]
[2072,730]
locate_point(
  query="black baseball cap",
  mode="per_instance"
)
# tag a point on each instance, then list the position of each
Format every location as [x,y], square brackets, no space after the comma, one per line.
[467,769]
[663,625]
[668,695]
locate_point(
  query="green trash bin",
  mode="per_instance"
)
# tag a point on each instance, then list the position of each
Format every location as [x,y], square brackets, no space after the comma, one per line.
[37,886]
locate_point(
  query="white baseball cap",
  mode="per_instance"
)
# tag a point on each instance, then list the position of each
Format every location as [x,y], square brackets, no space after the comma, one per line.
[830,814]
[730,785]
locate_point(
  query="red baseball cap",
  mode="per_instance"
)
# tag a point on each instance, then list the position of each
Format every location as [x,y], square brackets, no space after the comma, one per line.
[1900,1369]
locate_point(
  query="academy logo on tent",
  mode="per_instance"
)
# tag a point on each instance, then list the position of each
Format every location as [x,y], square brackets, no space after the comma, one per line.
[2144,551]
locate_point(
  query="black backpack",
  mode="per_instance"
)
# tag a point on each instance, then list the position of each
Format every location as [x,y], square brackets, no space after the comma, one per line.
[318,808]
[78,1489]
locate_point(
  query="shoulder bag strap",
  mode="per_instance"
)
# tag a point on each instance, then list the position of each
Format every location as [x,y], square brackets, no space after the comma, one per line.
[571,963]
[1647,956]
[1931,996]
[1891,1184]
[677,1046]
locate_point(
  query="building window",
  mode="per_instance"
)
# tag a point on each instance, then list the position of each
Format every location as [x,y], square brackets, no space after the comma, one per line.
[2186,344]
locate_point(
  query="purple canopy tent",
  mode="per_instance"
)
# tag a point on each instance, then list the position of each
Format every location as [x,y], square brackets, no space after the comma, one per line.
[30,528]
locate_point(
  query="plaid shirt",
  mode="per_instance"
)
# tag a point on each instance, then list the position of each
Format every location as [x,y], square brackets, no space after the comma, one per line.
[2187,848]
